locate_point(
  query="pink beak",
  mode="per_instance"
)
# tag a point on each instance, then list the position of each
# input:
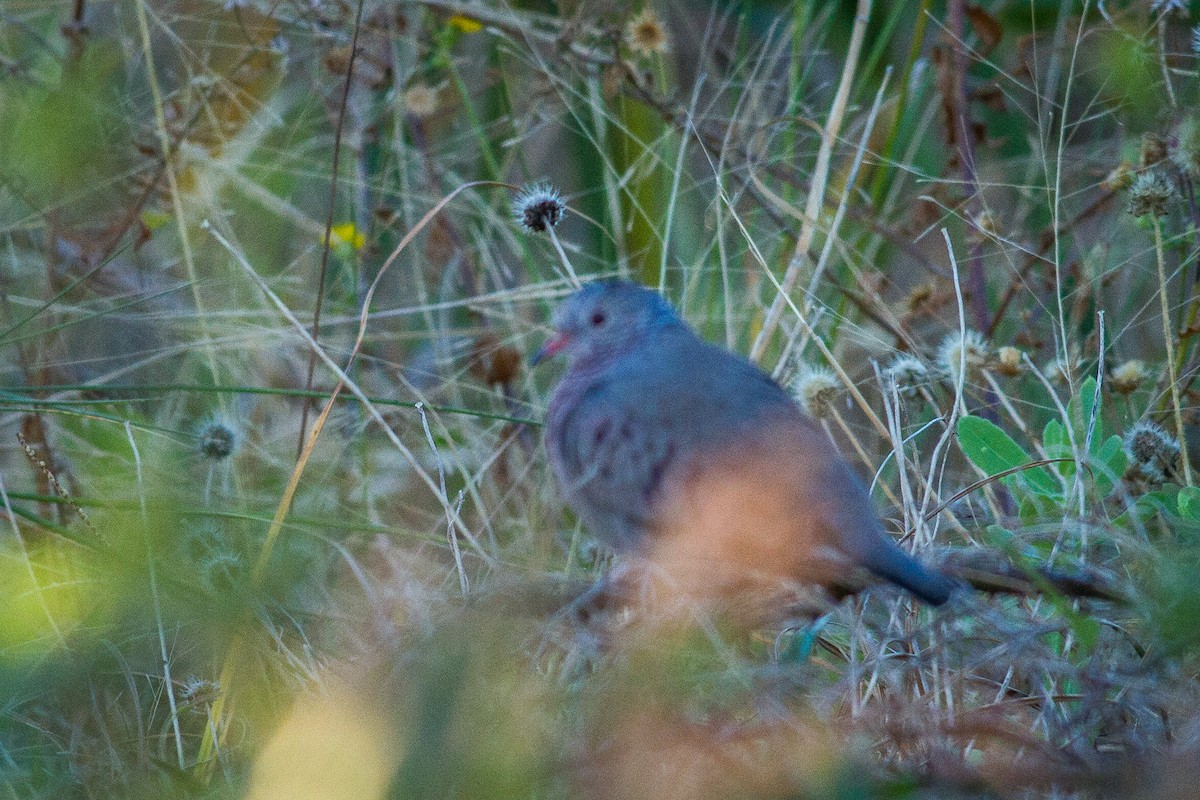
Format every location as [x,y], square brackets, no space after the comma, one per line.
[551,348]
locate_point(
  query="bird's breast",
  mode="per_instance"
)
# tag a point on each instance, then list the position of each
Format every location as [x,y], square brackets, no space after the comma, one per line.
[562,433]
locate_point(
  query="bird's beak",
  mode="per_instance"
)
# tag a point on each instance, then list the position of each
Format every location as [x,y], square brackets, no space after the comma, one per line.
[550,349]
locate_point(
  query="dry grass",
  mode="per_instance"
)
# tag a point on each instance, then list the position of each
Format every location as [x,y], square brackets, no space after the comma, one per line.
[277,518]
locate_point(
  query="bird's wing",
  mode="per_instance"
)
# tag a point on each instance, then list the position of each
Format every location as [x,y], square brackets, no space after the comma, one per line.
[628,429]
[613,451]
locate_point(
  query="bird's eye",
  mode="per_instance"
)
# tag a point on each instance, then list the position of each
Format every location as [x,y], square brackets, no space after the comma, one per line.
[598,318]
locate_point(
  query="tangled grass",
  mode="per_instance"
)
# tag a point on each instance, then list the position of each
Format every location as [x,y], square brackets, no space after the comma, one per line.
[279,521]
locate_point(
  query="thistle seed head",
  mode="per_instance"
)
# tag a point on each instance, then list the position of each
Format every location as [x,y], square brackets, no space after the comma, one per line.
[816,389]
[538,207]
[1151,193]
[908,373]
[646,35]
[1128,377]
[217,438]
[958,350]
[1152,451]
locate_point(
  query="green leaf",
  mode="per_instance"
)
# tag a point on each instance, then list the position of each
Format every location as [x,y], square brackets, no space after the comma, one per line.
[1079,413]
[1029,511]
[998,537]
[994,451]
[1109,464]
[1007,542]
[1189,503]
[1086,629]
[1163,501]
[1054,439]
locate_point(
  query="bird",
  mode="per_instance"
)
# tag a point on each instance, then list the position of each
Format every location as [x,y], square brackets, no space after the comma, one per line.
[689,456]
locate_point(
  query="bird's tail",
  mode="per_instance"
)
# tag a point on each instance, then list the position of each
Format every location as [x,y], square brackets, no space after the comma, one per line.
[899,567]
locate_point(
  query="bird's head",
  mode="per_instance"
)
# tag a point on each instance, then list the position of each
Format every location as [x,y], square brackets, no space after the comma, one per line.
[604,320]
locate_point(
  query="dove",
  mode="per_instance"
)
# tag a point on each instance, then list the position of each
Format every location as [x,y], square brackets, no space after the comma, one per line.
[690,456]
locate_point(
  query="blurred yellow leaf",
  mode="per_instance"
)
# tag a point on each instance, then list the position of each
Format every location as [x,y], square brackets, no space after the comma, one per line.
[332,745]
[45,598]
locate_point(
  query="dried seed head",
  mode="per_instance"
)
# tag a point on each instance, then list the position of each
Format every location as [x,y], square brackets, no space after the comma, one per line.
[1120,178]
[1186,153]
[217,438]
[957,350]
[1154,149]
[816,389]
[646,35]
[421,100]
[198,691]
[1009,361]
[986,224]
[908,373]
[1151,193]
[337,59]
[219,571]
[1128,377]
[919,298]
[538,207]
[1152,451]
[1060,369]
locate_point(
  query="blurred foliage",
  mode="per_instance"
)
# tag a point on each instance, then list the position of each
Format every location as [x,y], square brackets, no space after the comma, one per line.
[193,605]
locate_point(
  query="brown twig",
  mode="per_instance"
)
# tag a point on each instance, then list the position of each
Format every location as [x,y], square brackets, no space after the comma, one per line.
[961,131]
[333,181]
[1045,242]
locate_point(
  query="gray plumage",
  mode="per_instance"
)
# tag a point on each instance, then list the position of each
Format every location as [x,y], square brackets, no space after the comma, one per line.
[667,445]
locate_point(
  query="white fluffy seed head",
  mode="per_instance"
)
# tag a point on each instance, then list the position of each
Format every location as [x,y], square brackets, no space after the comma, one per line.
[908,373]
[1009,361]
[816,389]
[959,350]
[421,100]
[1128,376]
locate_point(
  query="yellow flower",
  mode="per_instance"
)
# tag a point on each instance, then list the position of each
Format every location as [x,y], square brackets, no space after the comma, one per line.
[347,233]
[466,24]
